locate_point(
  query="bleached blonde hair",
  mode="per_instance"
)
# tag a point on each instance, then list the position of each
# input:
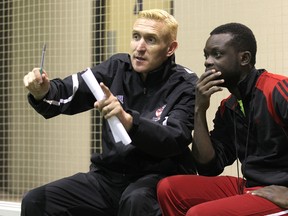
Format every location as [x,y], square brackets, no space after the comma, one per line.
[164,17]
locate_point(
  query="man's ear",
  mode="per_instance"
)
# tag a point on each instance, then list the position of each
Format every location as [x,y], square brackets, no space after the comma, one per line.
[173,46]
[245,58]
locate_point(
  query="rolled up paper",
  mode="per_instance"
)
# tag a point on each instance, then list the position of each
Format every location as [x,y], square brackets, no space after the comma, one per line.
[118,131]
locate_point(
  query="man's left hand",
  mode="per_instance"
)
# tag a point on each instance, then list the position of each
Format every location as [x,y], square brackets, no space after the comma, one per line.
[274,193]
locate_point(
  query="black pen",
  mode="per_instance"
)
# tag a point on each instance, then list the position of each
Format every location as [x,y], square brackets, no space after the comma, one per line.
[42,59]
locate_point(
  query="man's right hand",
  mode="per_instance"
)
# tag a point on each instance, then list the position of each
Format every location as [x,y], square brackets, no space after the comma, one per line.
[202,148]
[207,85]
[37,84]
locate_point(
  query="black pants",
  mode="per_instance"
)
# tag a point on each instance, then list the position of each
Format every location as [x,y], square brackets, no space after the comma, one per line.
[96,193]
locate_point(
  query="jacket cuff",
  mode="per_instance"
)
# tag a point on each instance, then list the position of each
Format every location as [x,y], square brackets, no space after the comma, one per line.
[32,101]
[135,122]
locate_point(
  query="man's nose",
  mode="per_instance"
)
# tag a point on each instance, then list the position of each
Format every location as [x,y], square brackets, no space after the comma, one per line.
[141,46]
[208,62]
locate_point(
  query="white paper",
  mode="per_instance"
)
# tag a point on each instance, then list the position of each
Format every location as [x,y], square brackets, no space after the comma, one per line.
[118,131]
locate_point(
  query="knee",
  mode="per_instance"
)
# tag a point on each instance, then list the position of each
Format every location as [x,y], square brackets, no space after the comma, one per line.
[31,203]
[133,197]
[139,202]
[203,210]
[28,199]
[163,189]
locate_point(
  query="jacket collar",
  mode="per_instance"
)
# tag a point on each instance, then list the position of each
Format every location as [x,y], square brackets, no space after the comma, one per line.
[163,72]
[247,85]
[246,88]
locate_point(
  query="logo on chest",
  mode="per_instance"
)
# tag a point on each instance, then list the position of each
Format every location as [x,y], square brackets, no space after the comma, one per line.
[158,113]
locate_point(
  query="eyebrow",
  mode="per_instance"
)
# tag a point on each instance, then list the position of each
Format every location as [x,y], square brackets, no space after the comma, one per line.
[213,49]
[145,33]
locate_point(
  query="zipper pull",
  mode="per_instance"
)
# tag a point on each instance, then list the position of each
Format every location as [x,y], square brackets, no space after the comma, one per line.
[241,106]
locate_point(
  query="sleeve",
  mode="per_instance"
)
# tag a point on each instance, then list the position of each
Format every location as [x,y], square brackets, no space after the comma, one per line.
[71,95]
[280,103]
[223,140]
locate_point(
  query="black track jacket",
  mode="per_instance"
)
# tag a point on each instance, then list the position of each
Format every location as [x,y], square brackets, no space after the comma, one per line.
[162,108]
[259,138]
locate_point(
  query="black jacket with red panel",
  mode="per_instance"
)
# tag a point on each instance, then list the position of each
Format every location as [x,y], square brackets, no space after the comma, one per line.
[162,108]
[258,135]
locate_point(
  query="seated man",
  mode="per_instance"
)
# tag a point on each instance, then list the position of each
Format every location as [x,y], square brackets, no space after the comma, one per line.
[153,98]
[250,125]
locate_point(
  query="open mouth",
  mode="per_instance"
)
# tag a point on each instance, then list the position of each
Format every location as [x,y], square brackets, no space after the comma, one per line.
[139,58]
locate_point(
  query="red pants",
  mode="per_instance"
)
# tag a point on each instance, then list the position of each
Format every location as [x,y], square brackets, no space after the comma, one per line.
[200,195]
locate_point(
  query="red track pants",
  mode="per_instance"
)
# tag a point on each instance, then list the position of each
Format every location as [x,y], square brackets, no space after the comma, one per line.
[200,195]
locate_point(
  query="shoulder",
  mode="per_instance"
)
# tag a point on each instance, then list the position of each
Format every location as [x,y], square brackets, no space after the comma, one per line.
[115,62]
[186,73]
[268,81]
[183,69]
[271,76]
[123,57]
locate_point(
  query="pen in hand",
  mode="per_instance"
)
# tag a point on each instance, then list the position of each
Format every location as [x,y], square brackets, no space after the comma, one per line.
[42,59]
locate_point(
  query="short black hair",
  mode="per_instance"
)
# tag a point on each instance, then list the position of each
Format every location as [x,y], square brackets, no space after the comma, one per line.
[243,38]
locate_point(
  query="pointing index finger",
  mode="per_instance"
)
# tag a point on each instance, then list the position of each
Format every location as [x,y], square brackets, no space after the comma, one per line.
[105,89]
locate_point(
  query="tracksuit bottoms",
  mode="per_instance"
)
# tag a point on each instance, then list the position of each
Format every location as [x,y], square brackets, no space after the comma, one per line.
[193,195]
[96,193]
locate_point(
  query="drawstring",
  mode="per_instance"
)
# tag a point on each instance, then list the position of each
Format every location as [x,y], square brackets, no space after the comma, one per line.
[240,190]
[250,112]
[246,146]
[241,184]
